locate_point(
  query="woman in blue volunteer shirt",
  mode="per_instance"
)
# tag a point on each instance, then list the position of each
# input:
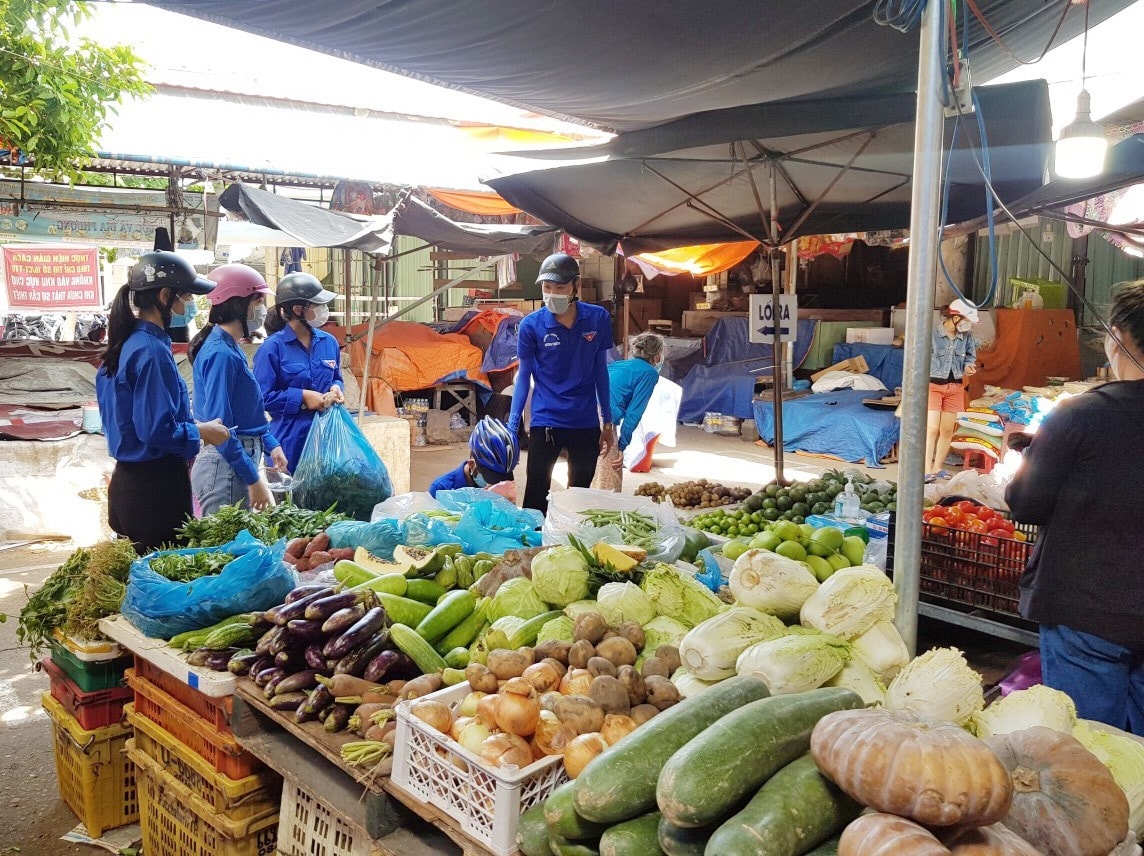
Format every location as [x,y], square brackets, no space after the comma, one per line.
[225,389]
[144,405]
[298,367]
[563,352]
[631,383]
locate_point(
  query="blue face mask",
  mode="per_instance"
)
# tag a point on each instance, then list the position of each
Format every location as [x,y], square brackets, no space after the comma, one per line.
[479,480]
[190,310]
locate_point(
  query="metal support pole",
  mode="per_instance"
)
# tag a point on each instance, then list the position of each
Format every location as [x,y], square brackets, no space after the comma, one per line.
[924,247]
[776,338]
[627,323]
[368,346]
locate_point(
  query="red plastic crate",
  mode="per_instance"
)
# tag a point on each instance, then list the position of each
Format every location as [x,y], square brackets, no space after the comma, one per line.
[220,749]
[93,710]
[216,711]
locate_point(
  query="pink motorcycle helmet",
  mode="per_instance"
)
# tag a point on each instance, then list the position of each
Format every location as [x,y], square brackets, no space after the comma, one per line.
[235,280]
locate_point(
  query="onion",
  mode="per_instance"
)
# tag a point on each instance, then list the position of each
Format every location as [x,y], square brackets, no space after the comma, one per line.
[434,714]
[458,726]
[518,686]
[542,676]
[580,752]
[506,750]
[576,682]
[552,736]
[549,699]
[487,710]
[473,737]
[468,705]
[518,714]
[616,727]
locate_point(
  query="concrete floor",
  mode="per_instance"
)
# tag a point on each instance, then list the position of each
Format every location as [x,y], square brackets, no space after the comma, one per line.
[32,817]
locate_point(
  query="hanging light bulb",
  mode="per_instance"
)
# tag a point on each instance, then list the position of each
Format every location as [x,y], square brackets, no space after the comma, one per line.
[1082,146]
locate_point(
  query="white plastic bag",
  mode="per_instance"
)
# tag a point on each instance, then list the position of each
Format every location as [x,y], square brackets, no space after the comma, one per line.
[846,380]
[982,488]
[403,505]
[565,517]
[659,418]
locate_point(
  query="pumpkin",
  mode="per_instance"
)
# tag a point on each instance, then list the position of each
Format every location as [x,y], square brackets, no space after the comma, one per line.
[1065,801]
[888,835]
[995,840]
[895,761]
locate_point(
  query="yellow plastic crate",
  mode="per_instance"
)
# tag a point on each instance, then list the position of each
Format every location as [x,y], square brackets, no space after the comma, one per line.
[236,799]
[96,779]
[176,822]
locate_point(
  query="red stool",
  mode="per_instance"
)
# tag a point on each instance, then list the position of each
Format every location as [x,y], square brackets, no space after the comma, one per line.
[987,461]
[644,466]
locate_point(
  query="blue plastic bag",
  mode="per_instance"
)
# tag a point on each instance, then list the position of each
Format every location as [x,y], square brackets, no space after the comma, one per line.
[256,579]
[339,467]
[493,527]
[380,537]
[423,530]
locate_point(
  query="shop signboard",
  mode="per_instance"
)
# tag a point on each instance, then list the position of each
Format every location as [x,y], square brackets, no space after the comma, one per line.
[52,278]
[763,320]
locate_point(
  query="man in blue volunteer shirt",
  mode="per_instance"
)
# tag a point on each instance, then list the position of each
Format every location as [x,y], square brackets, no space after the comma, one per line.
[563,356]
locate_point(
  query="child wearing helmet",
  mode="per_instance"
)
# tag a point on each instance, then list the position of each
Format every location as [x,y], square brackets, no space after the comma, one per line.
[493,455]
[225,388]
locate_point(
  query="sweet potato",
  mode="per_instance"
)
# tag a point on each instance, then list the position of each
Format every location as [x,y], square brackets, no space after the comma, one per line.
[320,557]
[342,553]
[297,547]
[321,541]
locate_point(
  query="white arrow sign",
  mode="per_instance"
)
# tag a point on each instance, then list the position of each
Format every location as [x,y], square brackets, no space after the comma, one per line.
[762,318]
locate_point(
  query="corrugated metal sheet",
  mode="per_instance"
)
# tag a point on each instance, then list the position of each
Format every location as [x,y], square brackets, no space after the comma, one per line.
[412,276]
[1107,266]
[1016,257]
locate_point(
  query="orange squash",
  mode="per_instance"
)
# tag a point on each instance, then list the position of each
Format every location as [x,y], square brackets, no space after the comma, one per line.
[995,840]
[888,835]
[1065,801]
[893,761]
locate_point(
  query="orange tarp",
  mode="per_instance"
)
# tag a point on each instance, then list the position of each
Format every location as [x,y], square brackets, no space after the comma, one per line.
[701,259]
[475,202]
[1031,344]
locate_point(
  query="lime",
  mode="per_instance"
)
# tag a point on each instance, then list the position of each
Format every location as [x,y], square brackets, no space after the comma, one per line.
[771,514]
[821,568]
[792,550]
[770,503]
[787,531]
[771,490]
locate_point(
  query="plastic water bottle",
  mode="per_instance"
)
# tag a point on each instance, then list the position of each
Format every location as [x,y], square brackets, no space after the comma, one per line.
[847,505]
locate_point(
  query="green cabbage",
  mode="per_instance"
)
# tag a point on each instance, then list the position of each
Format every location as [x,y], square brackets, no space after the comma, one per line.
[939,685]
[1037,705]
[796,662]
[620,602]
[850,602]
[560,575]
[709,651]
[680,596]
[857,677]
[1123,755]
[578,608]
[556,630]
[516,597]
[662,630]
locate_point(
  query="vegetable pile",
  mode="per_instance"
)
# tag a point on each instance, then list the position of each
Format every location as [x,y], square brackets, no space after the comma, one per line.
[182,568]
[694,494]
[283,520]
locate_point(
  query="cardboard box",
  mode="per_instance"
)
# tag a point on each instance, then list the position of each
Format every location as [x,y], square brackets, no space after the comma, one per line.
[857,365]
[870,335]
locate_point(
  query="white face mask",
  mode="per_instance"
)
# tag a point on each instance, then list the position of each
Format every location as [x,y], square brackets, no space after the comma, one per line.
[321,316]
[964,326]
[557,304]
[257,317]
[1112,351]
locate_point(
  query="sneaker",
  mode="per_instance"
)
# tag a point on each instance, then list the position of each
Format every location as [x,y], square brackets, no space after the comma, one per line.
[944,474]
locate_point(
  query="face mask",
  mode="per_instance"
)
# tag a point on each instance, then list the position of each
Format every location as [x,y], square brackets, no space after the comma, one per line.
[479,480]
[257,317]
[964,326]
[1110,351]
[557,304]
[190,310]
[321,316]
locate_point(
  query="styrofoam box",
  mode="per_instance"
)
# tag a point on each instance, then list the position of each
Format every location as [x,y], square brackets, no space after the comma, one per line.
[486,801]
[870,335]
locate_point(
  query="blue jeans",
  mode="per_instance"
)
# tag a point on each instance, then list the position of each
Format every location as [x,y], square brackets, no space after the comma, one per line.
[1105,680]
[214,481]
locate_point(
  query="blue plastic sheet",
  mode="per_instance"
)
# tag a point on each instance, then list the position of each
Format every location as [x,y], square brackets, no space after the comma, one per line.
[501,352]
[832,423]
[256,579]
[380,537]
[886,363]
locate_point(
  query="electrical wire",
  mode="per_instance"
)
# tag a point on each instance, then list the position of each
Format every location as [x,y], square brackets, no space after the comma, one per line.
[903,15]
[1001,42]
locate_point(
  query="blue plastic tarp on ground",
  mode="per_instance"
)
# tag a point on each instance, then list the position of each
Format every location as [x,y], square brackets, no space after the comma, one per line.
[832,423]
[886,363]
[501,353]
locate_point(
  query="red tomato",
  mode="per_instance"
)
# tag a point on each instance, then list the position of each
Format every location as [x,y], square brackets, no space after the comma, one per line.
[964,505]
[938,522]
[985,512]
[999,532]
[979,526]
[953,515]
[966,519]
[1002,523]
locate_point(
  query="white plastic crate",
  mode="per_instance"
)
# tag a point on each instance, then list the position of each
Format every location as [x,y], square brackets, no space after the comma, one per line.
[487,802]
[309,827]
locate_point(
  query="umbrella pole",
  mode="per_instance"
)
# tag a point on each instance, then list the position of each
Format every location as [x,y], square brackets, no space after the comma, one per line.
[925,244]
[776,338]
[368,345]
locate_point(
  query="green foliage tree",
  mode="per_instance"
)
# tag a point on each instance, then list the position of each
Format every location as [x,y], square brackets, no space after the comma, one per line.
[57,91]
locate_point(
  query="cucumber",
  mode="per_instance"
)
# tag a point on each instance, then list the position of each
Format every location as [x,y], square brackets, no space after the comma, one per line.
[638,837]
[620,783]
[562,819]
[561,846]
[454,608]
[795,811]
[352,575]
[426,591]
[677,841]
[417,649]
[465,633]
[532,832]
[705,780]
[458,658]
[525,635]
[402,610]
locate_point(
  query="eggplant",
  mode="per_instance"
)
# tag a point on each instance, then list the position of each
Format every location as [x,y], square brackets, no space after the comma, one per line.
[263,677]
[364,628]
[355,662]
[218,660]
[320,610]
[304,591]
[286,612]
[267,639]
[291,661]
[241,662]
[305,630]
[272,685]
[382,664]
[288,701]
[344,619]
[319,699]
[282,643]
[324,712]
[331,664]
[261,665]
[338,718]
[298,681]
[314,658]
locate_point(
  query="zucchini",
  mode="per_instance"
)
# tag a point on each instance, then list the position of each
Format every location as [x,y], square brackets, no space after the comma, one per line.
[620,783]
[562,819]
[678,841]
[458,658]
[465,633]
[417,649]
[637,837]
[426,591]
[705,780]
[454,608]
[561,846]
[525,635]
[402,610]
[353,576]
[532,832]
[795,811]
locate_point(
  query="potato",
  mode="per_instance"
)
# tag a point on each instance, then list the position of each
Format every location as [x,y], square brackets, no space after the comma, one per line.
[610,633]
[580,653]
[617,649]
[655,666]
[641,713]
[556,664]
[589,627]
[583,714]
[634,683]
[480,678]
[610,694]
[661,693]
[670,655]
[555,649]
[508,664]
[599,666]
[633,632]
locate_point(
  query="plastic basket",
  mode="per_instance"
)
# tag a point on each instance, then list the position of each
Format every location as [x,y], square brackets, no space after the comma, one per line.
[219,749]
[309,827]
[96,779]
[91,710]
[216,711]
[175,822]
[90,650]
[486,802]
[237,799]
[90,676]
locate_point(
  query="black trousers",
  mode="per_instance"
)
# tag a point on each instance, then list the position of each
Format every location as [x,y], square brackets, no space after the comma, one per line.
[545,446]
[148,501]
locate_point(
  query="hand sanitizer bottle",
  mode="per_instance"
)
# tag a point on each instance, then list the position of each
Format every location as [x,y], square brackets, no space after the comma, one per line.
[847,505]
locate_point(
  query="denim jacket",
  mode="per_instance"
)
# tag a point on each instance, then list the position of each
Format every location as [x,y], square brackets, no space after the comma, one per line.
[951,356]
